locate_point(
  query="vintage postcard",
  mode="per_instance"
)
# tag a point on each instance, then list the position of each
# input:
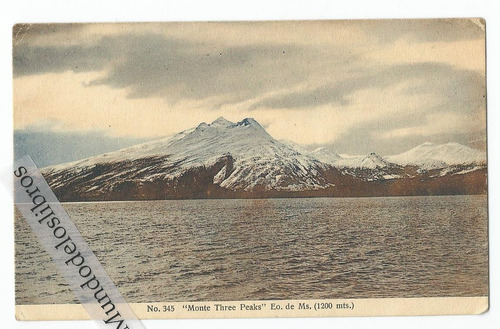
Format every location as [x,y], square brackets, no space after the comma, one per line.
[259,169]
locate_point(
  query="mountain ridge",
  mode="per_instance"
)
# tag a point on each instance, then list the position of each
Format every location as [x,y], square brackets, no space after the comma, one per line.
[226,159]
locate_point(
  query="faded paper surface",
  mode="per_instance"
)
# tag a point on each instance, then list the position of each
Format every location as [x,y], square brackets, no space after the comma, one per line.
[366,307]
[312,161]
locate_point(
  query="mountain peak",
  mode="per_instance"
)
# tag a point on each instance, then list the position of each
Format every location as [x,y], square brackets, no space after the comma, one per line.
[372,160]
[249,122]
[373,155]
[221,122]
[202,126]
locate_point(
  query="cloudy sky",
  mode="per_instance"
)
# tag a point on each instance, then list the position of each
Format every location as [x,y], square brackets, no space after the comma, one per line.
[358,86]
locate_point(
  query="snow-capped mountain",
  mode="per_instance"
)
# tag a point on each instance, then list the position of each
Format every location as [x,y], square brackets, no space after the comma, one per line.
[254,159]
[366,167]
[370,161]
[431,156]
[225,159]
[329,156]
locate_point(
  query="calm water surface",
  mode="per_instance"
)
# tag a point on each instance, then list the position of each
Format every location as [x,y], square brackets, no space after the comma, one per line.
[194,250]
